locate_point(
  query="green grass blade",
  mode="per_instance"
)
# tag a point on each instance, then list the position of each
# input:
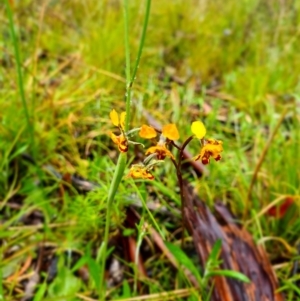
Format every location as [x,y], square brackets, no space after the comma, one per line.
[30,128]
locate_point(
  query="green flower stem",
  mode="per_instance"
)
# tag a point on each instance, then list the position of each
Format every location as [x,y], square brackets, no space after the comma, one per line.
[127,70]
[20,75]
[117,177]
[130,79]
[142,41]
[119,171]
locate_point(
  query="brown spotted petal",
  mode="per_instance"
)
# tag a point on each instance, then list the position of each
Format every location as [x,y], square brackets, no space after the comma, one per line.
[161,152]
[121,141]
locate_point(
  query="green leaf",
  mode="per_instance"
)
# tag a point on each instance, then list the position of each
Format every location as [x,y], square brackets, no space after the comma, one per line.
[128,232]
[39,295]
[19,151]
[215,252]
[229,273]
[1,286]
[126,291]
[95,271]
[81,262]
[183,259]
[64,285]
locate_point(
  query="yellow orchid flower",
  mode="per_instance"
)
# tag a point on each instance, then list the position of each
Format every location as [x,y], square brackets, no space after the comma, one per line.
[139,172]
[169,131]
[117,120]
[121,141]
[161,151]
[212,148]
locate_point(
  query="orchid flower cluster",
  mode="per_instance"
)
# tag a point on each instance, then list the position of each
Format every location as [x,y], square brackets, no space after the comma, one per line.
[157,153]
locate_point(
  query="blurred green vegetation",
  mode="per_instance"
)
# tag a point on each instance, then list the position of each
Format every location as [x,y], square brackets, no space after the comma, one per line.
[235,65]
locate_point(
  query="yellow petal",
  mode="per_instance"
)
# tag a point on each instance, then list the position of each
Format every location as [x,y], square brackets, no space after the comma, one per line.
[122,120]
[114,117]
[151,150]
[214,146]
[147,132]
[170,131]
[114,138]
[134,172]
[198,129]
[138,172]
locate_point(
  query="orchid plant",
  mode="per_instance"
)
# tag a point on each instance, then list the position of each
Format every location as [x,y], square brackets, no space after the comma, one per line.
[154,155]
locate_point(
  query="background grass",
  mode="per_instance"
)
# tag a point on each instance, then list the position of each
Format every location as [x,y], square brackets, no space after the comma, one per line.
[235,65]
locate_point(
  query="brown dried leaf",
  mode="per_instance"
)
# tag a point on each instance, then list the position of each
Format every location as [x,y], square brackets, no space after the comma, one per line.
[238,253]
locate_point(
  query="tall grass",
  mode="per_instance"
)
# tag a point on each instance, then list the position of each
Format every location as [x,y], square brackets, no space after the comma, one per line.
[15,43]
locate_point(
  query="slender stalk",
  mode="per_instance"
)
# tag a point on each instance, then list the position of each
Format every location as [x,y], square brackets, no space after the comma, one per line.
[179,174]
[130,79]
[30,128]
[142,41]
[121,164]
[184,145]
[1,277]
[127,59]
[119,171]
[180,182]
